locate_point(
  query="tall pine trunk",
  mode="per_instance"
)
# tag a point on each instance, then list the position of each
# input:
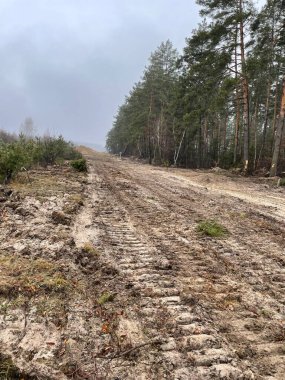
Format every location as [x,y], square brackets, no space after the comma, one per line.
[237,121]
[245,94]
[254,128]
[149,131]
[264,132]
[278,133]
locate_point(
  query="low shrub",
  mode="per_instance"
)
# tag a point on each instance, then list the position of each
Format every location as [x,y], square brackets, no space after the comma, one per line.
[79,165]
[24,152]
[13,156]
[51,150]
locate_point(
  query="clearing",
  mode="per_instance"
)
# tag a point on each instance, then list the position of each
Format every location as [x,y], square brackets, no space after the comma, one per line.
[127,287]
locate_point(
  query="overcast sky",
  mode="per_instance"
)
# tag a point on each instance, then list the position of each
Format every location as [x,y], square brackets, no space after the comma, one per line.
[69,63]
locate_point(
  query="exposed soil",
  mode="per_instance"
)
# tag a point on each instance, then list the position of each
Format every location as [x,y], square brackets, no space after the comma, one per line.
[127,286]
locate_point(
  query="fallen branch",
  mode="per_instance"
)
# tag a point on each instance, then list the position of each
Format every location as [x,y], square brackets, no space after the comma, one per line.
[124,353]
[137,347]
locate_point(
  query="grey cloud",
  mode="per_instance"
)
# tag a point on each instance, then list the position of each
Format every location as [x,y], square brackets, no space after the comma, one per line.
[69,63]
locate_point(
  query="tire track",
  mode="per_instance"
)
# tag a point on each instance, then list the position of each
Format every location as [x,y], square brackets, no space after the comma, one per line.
[195,283]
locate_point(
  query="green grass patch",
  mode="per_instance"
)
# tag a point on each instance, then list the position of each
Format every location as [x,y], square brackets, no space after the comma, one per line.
[212,228]
[105,297]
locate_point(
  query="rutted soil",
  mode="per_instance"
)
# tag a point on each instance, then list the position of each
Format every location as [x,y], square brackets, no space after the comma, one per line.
[144,295]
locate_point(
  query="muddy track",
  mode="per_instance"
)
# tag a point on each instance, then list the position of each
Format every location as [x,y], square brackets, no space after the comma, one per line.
[217,305]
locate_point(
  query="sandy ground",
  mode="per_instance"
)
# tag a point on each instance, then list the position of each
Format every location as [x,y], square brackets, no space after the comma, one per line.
[159,300]
[219,303]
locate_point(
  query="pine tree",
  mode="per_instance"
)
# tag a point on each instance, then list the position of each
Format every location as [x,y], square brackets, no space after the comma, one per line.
[144,122]
[229,22]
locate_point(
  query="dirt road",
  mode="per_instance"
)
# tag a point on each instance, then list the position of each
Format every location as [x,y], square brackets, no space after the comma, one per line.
[106,277]
[195,307]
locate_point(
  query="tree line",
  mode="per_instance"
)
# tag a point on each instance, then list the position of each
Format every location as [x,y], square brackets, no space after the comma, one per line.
[221,102]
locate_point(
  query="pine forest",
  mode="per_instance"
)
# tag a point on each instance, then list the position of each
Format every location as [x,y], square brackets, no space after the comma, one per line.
[220,103]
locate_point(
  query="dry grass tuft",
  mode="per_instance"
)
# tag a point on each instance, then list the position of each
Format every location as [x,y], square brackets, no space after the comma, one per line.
[27,276]
[90,249]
